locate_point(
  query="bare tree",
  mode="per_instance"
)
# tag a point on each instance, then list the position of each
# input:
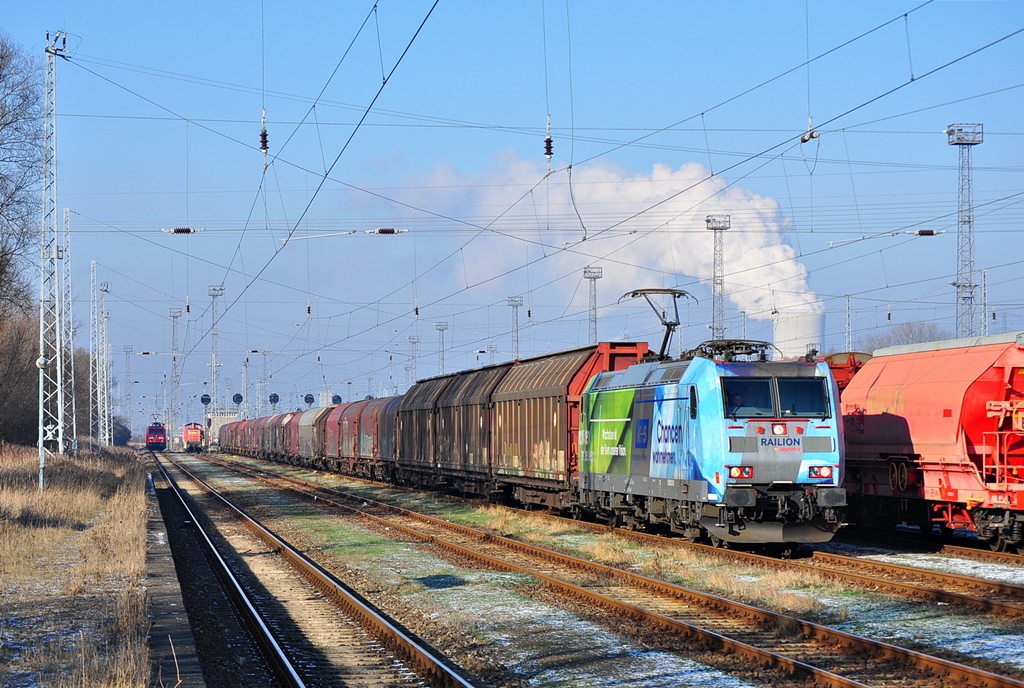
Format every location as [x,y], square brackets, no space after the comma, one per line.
[21,168]
[905,333]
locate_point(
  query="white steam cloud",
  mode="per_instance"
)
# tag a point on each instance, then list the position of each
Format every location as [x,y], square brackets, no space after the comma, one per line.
[646,229]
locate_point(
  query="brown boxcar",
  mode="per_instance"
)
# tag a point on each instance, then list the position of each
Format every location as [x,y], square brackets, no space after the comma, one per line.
[464,429]
[332,431]
[369,419]
[536,418]
[387,430]
[417,433]
[257,436]
[349,424]
[277,445]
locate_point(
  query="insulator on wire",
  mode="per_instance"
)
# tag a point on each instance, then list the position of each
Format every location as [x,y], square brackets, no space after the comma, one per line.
[548,147]
[263,141]
[417,311]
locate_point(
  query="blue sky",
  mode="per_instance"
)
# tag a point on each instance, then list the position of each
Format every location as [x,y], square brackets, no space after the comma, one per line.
[159,114]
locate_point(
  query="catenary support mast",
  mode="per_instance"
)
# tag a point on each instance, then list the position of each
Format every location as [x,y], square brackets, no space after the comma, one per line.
[51,435]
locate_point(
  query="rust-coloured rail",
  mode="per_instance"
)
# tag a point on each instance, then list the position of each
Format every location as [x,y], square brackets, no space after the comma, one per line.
[847,642]
[431,667]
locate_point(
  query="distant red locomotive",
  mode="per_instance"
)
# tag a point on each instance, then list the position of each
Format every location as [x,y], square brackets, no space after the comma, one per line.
[193,436]
[156,437]
[935,435]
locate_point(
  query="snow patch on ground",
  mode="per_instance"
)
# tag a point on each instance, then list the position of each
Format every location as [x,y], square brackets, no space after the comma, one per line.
[932,624]
[545,645]
[1003,573]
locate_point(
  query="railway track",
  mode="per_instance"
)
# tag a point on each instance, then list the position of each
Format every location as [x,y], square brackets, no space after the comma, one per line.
[979,551]
[312,629]
[784,644]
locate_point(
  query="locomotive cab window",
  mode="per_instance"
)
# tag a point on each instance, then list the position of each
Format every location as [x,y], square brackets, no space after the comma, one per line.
[803,397]
[748,397]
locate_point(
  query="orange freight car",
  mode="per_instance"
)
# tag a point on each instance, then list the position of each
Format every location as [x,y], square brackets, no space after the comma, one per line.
[935,435]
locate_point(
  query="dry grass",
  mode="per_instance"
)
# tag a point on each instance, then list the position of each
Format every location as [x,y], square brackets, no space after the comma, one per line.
[789,592]
[72,570]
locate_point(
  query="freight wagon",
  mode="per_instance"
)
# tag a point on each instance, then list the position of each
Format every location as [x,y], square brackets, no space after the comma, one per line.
[769,471]
[935,435]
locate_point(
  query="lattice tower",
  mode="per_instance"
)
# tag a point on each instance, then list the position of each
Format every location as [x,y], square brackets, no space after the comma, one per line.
[593,274]
[172,407]
[515,302]
[214,291]
[51,357]
[128,386]
[718,224]
[965,137]
[441,327]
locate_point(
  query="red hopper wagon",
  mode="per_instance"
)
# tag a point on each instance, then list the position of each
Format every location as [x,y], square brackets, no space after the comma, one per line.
[935,435]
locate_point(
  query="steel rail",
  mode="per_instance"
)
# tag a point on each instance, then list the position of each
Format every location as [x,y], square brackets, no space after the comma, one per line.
[373,620]
[251,618]
[932,545]
[983,553]
[949,670]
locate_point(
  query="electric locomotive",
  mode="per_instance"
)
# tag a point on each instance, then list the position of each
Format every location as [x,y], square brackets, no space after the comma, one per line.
[742,451]
[156,437]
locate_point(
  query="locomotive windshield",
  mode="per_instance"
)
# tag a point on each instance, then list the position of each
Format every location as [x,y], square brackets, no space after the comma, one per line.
[752,397]
[748,397]
[803,397]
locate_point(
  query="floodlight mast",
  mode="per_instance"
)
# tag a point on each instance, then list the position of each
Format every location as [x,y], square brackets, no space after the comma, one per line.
[718,224]
[669,324]
[965,137]
[515,302]
[593,274]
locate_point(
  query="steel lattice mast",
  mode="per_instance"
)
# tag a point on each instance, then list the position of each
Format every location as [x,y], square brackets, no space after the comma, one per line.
[718,224]
[214,291]
[965,137]
[849,326]
[172,407]
[593,274]
[441,327]
[103,370]
[515,302]
[67,339]
[128,386]
[94,361]
[414,341]
[51,358]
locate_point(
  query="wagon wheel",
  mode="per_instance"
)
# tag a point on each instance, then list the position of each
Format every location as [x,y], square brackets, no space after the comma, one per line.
[997,544]
[718,542]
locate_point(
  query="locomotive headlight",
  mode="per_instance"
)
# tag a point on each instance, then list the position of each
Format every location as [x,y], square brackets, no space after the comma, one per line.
[819,472]
[746,472]
[778,428]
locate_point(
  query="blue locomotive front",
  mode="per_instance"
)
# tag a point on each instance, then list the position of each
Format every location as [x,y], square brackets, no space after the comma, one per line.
[738,451]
